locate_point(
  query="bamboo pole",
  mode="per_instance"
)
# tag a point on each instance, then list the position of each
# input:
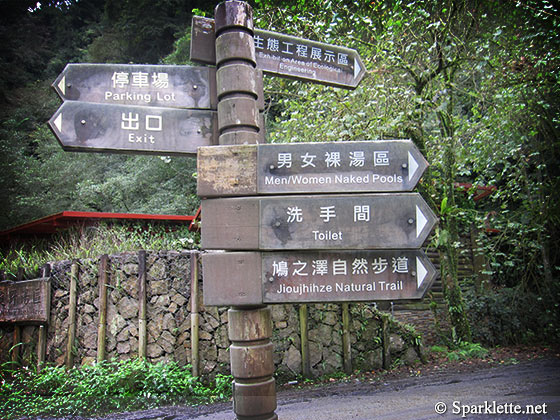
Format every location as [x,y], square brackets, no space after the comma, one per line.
[303,329]
[72,316]
[346,346]
[102,327]
[142,326]
[195,317]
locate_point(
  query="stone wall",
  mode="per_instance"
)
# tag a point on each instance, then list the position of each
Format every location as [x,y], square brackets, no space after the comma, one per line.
[168,277]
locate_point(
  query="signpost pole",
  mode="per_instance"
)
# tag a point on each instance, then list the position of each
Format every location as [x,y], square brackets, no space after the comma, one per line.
[250,327]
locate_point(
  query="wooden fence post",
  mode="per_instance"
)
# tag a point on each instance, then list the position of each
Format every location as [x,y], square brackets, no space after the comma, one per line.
[195,317]
[142,326]
[303,330]
[346,346]
[72,315]
[42,333]
[102,327]
[41,346]
[16,345]
[385,341]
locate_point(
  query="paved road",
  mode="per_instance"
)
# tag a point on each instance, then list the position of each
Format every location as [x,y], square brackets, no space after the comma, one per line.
[534,382]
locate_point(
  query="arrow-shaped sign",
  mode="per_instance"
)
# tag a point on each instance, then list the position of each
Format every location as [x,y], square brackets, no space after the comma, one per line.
[315,276]
[287,56]
[135,84]
[421,270]
[358,221]
[360,166]
[90,127]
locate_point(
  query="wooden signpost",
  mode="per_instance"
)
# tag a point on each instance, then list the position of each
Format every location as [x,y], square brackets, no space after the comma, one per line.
[25,301]
[292,168]
[354,221]
[137,84]
[256,278]
[286,56]
[307,217]
[307,246]
[95,127]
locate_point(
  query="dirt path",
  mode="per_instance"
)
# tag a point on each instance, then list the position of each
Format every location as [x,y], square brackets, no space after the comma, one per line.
[463,389]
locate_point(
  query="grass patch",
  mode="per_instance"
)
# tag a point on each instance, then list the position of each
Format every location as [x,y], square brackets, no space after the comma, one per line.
[86,242]
[104,387]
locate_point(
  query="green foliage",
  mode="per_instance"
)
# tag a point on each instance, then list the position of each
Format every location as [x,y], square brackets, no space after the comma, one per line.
[462,351]
[104,387]
[54,180]
[89,242]
[475,86]
[512,316]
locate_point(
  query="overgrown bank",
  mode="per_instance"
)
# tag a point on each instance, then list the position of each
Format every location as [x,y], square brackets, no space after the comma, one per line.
[103,387]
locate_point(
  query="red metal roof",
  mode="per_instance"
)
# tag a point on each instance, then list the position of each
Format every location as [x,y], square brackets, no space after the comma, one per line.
[65,219]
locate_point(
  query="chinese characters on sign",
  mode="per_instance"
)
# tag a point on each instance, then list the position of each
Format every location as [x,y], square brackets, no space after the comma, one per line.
[340,267]
[25,301]
[323,276]
[140,79]
[290,56]
[268,41]
[392,165]
[129,84]
[355,158]
[356,221]
[287,56]
[126,128]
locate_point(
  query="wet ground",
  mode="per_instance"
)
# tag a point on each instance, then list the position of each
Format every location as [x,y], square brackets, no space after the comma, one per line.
[490,389]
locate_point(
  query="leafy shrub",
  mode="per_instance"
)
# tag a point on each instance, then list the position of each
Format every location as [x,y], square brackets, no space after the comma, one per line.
[512,316]
[464,350]
[467,351]
[103,387]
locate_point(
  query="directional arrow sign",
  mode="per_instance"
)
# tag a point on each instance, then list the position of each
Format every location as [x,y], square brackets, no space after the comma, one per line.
[288,56]
[298,58]
[315,276]
[147,85]
[90,127]
[358,221]
[363,166]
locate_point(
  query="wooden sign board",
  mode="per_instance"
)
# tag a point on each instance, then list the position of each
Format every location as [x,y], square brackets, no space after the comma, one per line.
[294,168]
[287,56]
[357,221]
[134,84]
[320,276]
[91,127]
[25,301]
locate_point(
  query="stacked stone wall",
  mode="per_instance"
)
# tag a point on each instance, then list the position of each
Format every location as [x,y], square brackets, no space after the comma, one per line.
[168,281]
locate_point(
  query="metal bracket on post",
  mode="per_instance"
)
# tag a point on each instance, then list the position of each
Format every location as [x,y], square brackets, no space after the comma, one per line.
[238,88]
